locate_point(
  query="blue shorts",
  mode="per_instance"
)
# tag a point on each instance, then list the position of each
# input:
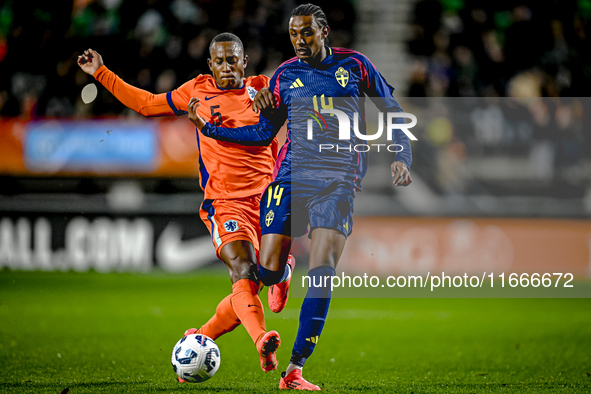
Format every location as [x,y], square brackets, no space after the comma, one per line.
[288,207]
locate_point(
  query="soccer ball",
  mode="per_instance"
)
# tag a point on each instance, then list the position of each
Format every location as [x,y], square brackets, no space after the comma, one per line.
[195,358]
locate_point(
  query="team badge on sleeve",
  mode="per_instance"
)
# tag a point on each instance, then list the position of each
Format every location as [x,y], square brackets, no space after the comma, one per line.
[231,225]
[342,76]
[252,92]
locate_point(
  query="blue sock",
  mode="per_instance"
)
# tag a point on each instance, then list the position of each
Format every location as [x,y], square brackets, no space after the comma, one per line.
[312,314]
[270,278]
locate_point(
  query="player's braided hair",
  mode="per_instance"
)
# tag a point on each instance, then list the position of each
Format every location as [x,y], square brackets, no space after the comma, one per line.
[226,37]
[311,10]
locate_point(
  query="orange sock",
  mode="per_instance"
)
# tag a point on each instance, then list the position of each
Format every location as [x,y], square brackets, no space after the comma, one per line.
[249,309]
[224,320]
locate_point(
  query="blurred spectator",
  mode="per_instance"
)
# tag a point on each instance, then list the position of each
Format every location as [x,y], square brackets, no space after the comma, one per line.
[154,44]
[533,52]
[489,42]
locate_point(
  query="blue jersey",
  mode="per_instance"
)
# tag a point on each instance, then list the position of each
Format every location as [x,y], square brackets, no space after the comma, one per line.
[301,92]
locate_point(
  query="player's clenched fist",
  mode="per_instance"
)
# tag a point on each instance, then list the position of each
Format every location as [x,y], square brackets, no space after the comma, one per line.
[90,61]
[192,110]
[401,174]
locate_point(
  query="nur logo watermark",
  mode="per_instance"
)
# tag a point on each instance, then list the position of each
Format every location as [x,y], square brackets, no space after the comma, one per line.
[345,130]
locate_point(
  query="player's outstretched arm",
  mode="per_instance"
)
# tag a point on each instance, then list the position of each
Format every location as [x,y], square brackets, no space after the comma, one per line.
[401,174]
[260,134]
[90,61]
[139,100]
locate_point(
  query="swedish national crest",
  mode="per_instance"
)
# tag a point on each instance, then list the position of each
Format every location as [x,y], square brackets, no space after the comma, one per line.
[342,76]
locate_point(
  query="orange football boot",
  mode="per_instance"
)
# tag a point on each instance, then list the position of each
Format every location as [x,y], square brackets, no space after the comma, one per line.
[295,381]
[279,293]
[267,348]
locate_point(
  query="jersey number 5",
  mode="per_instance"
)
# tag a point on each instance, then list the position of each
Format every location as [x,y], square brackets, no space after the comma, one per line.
[277,195]
[213,114]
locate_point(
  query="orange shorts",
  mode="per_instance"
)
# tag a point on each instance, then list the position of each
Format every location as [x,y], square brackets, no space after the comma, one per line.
[232,220]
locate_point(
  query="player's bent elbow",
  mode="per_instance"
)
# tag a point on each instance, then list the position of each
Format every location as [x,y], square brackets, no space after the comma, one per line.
[265,142]
[247,143]
[144,112]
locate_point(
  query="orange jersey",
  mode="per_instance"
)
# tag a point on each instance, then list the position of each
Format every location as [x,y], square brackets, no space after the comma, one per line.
[227,170]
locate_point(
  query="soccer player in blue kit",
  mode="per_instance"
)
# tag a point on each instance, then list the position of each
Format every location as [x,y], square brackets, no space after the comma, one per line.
[311,187]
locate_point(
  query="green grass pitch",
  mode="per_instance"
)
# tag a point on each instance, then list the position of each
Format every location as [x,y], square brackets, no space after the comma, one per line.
[114,333]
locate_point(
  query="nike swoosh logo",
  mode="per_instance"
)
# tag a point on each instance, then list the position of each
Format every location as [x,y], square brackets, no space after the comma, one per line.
[209,98]
[253,305]
[174,254]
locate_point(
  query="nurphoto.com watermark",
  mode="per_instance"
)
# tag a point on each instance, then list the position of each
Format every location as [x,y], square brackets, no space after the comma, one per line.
[435,281]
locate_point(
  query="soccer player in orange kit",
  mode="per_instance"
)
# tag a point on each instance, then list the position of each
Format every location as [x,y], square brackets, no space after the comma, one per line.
[232,177]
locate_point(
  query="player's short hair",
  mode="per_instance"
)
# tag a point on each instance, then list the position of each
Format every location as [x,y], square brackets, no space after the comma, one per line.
[311,10]
[226,37]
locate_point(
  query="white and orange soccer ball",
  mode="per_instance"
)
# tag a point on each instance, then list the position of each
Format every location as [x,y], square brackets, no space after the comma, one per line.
[195,358]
